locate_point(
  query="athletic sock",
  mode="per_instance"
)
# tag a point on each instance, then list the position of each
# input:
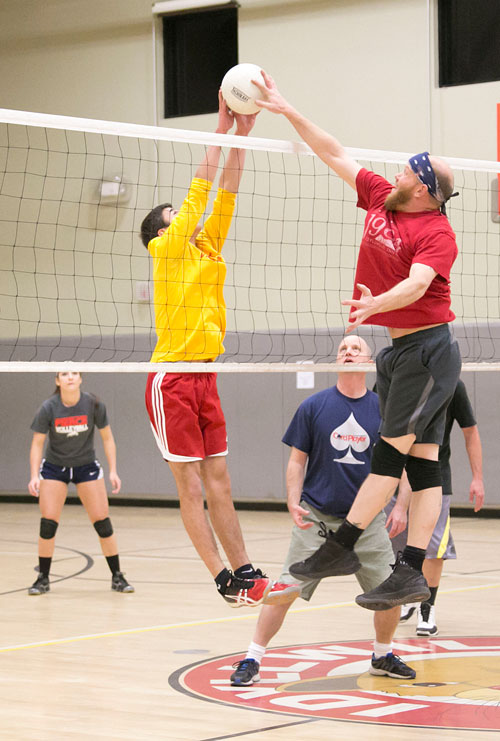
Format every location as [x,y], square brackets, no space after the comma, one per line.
[113,563]
[347,534]
[255,652]
[222,580]
[44,563]
[381,649]
[432,598]
[414,557]
[245,572]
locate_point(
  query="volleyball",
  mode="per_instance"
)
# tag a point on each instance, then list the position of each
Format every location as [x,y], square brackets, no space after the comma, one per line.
[238,90]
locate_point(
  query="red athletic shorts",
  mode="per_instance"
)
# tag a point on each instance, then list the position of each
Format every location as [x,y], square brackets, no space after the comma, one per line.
[186,415]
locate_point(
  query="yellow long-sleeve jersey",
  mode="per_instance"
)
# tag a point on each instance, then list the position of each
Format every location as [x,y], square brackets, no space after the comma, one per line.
[190,310]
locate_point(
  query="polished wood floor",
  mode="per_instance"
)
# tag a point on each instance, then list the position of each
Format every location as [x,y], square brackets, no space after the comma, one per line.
[85,663]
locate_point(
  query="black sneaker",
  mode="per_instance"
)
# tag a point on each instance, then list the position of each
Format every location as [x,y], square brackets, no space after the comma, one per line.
[41,586]
[391,665]
[247,672]
[120,584]
[246,592]
[405,584]
[331,559]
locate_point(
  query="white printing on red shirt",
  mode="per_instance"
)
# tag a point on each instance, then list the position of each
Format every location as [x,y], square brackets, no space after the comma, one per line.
[392,241]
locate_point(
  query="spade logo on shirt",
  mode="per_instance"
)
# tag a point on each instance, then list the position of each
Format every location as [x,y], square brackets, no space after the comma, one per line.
[71,426]
[350,436]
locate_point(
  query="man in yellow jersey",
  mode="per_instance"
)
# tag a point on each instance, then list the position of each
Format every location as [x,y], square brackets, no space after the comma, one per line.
[184,408]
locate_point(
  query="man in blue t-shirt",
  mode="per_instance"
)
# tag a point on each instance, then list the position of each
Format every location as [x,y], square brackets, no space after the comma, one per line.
[331,437]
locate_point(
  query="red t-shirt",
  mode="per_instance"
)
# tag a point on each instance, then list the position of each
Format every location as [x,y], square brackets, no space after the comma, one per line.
[392,241]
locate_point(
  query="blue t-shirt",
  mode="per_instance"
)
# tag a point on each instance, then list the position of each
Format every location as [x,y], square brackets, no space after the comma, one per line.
[338,434]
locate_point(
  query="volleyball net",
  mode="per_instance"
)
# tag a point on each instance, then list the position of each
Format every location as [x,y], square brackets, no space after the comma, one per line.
[75,279]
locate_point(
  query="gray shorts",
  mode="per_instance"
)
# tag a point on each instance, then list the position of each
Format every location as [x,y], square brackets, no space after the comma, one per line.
[441,544]
[373,549]
[416,379]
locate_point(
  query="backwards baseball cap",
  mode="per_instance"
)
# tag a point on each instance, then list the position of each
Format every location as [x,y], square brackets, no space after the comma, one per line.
[421,166]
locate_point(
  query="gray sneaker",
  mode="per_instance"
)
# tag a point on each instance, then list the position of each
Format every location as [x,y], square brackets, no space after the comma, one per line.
[120,584]
[40,586]
[405,584]
[247,672]
[331,559]
[391,665]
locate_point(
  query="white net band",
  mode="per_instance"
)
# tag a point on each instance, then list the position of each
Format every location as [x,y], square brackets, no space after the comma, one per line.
[75,280]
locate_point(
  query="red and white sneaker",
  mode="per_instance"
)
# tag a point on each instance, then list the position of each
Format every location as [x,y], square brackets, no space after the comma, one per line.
[246,592]
[282,594]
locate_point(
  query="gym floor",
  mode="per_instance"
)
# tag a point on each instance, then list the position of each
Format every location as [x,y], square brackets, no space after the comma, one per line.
[83,662]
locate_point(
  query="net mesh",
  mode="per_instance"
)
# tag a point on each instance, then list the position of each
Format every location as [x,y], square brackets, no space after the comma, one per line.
[75,282]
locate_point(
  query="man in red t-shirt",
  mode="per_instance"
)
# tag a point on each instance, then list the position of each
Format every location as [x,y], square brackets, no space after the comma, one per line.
[402,283]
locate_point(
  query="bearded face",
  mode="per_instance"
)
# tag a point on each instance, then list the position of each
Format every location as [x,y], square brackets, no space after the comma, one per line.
[398,197]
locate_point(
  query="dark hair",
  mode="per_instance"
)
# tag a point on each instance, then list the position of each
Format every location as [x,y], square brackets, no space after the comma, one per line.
[153,223]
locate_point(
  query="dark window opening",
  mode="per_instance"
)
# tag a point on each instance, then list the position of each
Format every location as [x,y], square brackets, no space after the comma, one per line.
[469,41]
[198,50]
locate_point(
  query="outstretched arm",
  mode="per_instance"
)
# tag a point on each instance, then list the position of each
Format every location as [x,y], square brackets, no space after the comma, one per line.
[327,147]
[233,169]
[475,453]
[207,169]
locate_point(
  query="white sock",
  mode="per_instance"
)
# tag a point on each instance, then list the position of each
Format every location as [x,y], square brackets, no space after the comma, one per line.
[381,649]
[255,652]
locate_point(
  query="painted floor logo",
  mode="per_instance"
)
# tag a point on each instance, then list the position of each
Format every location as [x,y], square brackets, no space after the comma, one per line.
[457,684]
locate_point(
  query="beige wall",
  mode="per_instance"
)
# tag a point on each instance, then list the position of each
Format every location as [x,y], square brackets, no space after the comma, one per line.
[361,68]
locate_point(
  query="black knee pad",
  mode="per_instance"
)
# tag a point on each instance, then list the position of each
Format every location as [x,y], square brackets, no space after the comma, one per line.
[387,460]
[48,528]
[423,473]
[104,528]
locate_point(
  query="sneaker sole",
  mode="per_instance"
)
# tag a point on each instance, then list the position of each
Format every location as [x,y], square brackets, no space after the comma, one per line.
[125,590]
[408,615]
[253,603]
[326,572]
[38,592]
[383,673]
[283,597]
[422,632]
[386,603]
[254,679]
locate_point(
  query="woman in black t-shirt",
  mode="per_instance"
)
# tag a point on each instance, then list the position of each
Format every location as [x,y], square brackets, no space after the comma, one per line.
[69,418]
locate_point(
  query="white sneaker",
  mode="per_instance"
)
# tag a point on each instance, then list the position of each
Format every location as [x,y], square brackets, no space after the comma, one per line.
[406,612]
[426,622]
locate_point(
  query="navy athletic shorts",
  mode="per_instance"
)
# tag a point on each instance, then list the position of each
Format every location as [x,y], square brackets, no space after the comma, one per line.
[416,379]
[76,474]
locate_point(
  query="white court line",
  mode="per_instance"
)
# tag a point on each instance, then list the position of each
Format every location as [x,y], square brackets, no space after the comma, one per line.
[196,623]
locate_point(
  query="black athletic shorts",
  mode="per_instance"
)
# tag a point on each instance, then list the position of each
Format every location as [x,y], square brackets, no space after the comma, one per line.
[416,379]
[77,474]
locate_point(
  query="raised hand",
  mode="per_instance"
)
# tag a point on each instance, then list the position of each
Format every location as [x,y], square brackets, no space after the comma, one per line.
[364,307]
[226,116]
[271,100]
[244,122]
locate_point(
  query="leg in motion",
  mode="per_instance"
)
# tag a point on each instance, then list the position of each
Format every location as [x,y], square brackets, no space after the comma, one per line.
[384,662]
[336,556]
[270,621]
[236,590]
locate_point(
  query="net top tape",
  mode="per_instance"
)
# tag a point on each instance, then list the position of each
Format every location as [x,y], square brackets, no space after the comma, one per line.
[159,133]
